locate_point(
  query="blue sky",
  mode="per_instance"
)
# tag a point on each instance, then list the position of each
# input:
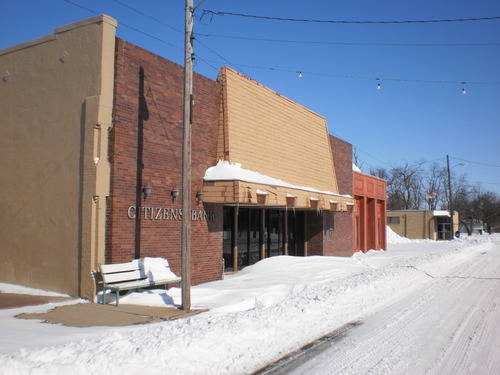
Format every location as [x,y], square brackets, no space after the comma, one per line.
[404,121]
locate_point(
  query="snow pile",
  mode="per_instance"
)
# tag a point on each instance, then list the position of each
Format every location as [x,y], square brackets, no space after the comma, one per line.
[393,237]
[157,269]
[226,171]
[355,168]
[256,315]
[18,289]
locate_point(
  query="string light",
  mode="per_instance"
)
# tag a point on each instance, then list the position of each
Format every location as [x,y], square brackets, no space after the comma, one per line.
[300,73]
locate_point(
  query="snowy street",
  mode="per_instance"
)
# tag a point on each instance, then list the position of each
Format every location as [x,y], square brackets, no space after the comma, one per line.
[450,326]
[423,306]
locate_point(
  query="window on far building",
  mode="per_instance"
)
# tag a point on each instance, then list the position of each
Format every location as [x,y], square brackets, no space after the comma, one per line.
[393,220]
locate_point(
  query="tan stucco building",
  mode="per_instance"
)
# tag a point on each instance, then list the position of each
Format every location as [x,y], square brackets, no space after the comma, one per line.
[56,108]
[421,224]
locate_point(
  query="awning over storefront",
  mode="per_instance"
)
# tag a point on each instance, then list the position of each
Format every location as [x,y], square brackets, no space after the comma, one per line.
[231,184]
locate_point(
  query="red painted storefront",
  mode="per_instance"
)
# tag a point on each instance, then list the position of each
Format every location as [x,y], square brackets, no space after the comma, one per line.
[369,212]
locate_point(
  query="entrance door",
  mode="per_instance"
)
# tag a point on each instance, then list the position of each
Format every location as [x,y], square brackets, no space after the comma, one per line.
[295,233]
[227,238]
[274,233]
[443,228]
[248,236]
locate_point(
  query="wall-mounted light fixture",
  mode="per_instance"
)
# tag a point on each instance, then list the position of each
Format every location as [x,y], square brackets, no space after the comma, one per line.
[174,194]
[199,196]
[146,190]
[62,58]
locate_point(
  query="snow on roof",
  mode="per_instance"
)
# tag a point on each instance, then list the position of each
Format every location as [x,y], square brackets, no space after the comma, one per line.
[261,192]
[441,213]
[355,168]
[226,171]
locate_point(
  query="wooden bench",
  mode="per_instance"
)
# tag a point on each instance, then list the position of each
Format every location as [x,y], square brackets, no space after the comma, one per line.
[128,276]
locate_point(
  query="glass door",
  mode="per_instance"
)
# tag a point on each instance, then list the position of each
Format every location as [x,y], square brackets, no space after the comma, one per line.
[443,228]
[295,233]
[243,234]
[253,236]
[274,233]
[227,238]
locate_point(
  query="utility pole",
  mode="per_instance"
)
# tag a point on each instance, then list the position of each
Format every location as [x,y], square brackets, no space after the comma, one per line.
[186,159]
[450,196]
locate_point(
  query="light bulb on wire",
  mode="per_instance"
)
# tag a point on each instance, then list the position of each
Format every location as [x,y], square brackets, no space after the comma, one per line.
[379,85]
[300,75]
[464,91]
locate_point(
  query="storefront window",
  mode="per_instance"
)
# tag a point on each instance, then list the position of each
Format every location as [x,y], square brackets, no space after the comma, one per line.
[227,234]
[252,233]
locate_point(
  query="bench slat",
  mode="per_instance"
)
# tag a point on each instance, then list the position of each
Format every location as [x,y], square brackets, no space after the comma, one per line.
[120,267]
[142,283]
[123,276]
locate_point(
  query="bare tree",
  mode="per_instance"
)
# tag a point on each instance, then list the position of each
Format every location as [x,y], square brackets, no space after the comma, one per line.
[356,159]
[460,190]
[486,206]
[405,188]
[409,186]
[434,186]
[380,173]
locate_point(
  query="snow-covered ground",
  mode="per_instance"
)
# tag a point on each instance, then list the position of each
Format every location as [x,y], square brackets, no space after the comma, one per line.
[274,307]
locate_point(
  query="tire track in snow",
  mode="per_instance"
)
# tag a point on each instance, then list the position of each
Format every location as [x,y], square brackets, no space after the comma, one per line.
[475,350]
[443,329]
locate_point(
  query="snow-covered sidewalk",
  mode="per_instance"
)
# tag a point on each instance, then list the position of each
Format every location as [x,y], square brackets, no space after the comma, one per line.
[256,316]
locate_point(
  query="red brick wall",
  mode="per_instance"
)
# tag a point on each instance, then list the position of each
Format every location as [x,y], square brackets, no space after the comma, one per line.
[341,243]
[161,156]
[342,161]
[314,233]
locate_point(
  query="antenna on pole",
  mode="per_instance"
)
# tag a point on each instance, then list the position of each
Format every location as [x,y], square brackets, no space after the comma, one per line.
[186,159]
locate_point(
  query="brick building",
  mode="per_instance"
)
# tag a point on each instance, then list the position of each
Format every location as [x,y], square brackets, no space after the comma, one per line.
[100,182]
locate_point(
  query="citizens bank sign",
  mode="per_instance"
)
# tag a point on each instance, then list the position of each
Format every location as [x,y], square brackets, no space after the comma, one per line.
[165,213]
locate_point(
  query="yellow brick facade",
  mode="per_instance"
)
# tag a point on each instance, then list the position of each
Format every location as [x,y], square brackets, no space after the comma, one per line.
[273,135]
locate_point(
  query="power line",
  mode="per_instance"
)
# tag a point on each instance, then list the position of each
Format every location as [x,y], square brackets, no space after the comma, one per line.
[176,30]
[477,162]
[148,16]
[270,18]
[140,31]
[489,183]
[302,73]
[363,44]
[356,147]
[124,25]
[289,70]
